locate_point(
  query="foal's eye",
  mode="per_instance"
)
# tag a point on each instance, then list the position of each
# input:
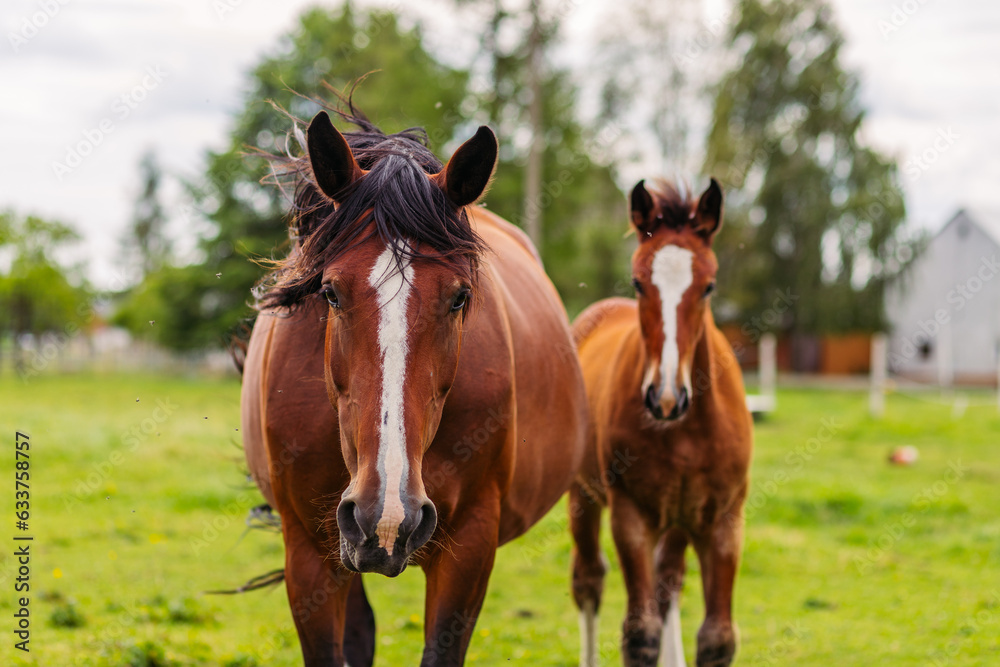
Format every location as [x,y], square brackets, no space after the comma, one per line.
[709,289]
[331,296]
[461,299]
[637,285]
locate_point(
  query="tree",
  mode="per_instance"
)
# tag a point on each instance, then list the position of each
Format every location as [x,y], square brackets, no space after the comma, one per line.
[650,86]
[145,241]
[197,305]
[37,295]
[534,61]
[552,178]
[813,214]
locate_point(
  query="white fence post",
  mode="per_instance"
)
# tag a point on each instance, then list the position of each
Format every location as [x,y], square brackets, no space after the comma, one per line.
[768,367]
[945,358]
[998,377]
[879,373]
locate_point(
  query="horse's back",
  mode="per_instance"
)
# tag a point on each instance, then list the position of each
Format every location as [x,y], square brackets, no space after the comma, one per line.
[607,316]
[550,397]
[606,334]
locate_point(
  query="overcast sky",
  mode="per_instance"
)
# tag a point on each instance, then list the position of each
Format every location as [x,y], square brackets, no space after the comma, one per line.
[112,78]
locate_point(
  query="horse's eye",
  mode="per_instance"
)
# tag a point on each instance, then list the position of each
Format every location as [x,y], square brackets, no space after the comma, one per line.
[331,296]
[461,299]
[709,288]
[637,285]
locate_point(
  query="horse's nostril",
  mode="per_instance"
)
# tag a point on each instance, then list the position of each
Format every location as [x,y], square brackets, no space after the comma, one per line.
[682,400]
[651,401]
[426,523]
[349,522]
[357,520]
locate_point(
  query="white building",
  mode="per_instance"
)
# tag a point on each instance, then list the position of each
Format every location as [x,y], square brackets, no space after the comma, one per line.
[944,312]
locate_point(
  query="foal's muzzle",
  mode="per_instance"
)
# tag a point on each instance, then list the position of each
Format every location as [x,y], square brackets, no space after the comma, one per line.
[654,403]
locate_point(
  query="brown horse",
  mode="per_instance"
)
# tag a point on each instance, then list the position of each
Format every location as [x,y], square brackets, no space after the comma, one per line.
[407,394]
[670,438]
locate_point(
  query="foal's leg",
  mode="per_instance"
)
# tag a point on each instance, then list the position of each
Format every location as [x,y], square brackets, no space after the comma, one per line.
[719,553]
[634,540]
[317,594]
[670,579]
[589,567]
[457,578]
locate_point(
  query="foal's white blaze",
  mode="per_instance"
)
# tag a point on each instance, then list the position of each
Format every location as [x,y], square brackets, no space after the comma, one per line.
[393,284]
[671,647]
[588,635]
[672,275]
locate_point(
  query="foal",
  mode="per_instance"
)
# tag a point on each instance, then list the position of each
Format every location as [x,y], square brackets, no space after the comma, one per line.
[670,438]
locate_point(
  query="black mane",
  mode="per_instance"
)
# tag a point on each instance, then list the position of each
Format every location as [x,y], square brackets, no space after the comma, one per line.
[410,212]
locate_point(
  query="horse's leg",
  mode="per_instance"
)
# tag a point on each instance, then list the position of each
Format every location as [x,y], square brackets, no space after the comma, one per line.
[456,586]
[317,596]
[359,630]
[634,540]
[589,567]
[719,553]
[670,579]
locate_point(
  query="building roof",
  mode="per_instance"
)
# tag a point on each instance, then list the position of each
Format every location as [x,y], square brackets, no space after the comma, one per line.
[987,220]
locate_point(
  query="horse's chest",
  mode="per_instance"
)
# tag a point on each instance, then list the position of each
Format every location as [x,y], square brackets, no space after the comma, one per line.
[677,485]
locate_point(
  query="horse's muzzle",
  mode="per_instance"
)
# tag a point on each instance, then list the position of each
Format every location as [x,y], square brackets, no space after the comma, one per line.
[362,549]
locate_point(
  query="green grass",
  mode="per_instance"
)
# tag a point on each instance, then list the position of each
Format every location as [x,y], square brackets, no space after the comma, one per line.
[848,560]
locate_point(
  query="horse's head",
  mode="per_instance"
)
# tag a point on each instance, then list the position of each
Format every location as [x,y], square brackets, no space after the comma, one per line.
[673,272]
[398,295]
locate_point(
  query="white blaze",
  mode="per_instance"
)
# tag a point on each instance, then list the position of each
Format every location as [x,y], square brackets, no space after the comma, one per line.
[672,274]
[393,284]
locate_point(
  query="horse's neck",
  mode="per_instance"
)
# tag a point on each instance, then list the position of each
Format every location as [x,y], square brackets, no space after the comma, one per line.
[703,369]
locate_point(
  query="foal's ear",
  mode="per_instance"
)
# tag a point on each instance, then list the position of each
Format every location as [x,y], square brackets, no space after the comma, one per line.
[708,215]
[466,176]
[643,209]
[332,162]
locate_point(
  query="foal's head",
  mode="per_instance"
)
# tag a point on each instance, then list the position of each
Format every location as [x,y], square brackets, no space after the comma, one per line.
[673,272]
[395,259]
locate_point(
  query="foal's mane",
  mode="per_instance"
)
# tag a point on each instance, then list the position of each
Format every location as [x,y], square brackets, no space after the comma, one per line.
[676,202]
[410,213]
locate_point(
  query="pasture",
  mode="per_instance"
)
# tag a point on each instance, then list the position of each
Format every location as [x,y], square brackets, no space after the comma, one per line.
[138,502]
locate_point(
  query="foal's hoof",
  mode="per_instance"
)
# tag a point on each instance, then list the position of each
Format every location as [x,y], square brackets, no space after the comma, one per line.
[716,644]
[639,648]
[716,655]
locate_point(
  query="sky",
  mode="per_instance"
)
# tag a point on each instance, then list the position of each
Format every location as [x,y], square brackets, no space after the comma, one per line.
[87,86]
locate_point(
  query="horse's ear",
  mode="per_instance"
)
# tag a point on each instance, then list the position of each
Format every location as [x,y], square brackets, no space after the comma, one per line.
[332,162]
[643,209]
[708,215]
[466,176]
